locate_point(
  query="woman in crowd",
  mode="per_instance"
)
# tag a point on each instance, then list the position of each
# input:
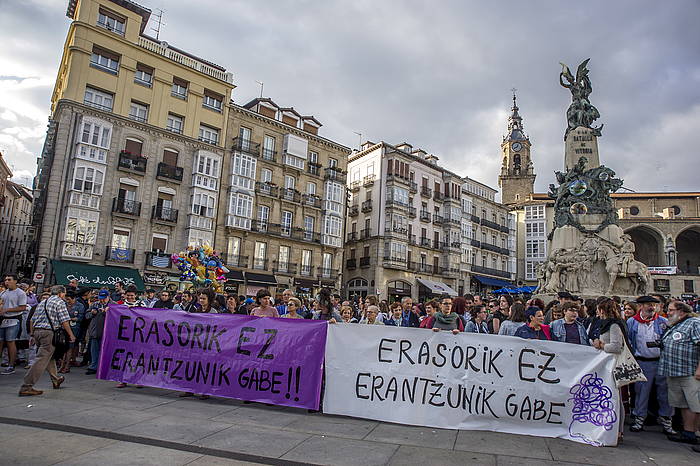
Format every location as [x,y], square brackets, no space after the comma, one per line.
[591,322]
[394,319]
[293,306]
[430,308]
[445,319]
[630,310]
[324,308]
[232,303]
[346,314]
[477,323]
[371,316]
[459,307]
[535,329]
[557,312]
[516,319]
[208,303]
[265,307]
[501,314]
[613,333]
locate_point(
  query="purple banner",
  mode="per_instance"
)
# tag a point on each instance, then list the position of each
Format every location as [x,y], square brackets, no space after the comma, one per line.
[263,359]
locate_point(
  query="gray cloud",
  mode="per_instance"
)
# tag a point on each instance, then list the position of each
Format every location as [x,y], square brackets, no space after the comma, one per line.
[437,74]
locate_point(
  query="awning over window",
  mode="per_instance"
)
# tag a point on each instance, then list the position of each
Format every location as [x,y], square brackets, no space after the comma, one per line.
[95,276]
[437,287]
[260,278]
[234,275]
[492,281]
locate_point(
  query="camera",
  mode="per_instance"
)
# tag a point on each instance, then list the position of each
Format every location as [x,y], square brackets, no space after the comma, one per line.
[655,344]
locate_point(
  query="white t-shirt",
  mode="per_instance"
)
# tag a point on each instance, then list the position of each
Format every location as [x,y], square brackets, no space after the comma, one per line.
[12,298]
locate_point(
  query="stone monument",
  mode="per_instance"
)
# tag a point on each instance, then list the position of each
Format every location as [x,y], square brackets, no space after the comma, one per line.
[589,254]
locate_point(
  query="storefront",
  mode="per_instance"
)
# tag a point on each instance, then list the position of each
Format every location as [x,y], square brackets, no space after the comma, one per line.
[428,289]
[234,282]
[481,284]
[255,282]
[397,289]
[95,276]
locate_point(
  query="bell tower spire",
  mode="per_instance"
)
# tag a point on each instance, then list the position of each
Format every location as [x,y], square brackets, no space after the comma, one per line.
[517,178]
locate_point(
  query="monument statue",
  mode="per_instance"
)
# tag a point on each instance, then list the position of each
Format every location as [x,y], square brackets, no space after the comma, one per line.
[589,254]
[581,112]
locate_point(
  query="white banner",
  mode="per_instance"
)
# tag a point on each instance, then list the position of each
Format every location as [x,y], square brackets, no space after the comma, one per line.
[471,381]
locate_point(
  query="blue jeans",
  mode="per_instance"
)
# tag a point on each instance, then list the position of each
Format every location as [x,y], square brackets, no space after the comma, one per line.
[10,333]
[94,353]
[643,389]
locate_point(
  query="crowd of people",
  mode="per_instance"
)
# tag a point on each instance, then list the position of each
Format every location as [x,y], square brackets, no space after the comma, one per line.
[663,336]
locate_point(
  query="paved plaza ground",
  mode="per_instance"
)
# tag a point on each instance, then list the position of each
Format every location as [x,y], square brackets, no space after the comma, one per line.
[90,422]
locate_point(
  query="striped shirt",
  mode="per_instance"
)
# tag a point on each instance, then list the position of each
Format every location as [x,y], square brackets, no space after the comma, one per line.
[57,311]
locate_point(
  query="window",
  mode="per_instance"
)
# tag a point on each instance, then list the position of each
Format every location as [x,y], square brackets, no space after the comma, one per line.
[269,148]
[263,217]
[80,233]
[289,182]
[332,226]
[203,204]
[179,88]
[313,157]
[138,112]
[688,286]
[266,175]
[662,285]
[175,123]
[396,251]
[88,180]
[535,248]
[283,259]
[120,241]
[293,161]
[244,134]
[397,195]
[534,212]
[286,226]
[332,163]
[530,270]
[234,251]
[634,210]
[260,257]
[241,205]
[159,243]
[94,140]
[308,228]
[212,100]
[206,165]
[143,75]
[306,262]
[111,22]
[311,188]
[535,228]
[208,134]
[334,192]
[104,60]
[98,99]
[244,171]
[327,262]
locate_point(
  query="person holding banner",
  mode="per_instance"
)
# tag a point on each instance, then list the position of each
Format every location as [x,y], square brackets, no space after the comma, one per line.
[265,307]
[207,301]
[346,314]
[96,315]
[568,329]
[431,308]
[445,319]
[371,316]
[535,329]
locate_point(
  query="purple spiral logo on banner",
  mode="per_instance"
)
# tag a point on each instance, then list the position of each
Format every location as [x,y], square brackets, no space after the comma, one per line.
[592,404]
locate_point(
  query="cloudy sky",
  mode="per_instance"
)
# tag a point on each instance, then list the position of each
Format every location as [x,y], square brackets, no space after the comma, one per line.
[436,74]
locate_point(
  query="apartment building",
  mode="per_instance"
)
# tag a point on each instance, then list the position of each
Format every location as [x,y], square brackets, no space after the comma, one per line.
[131,169]
[15,230]
[285,204]
[410,229]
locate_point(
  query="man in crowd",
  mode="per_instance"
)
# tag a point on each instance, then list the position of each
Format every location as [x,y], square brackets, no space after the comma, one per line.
[150,298]
[282,307]
[645,327]
[96,315]
[188,303]
[680,363]
[395,319]
[118,293]
[569,329]
[131,299]
[50,314]
[165,301]
[409,318]
[14,302]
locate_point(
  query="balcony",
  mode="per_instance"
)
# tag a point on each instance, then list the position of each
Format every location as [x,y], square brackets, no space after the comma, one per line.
[398,231]
[328,274]
[425,216]
[351,264]
[266,189]
[438,219]
[365,233]
[441,245]
[119,255]
[451,272]
[425,242]
[291,195]
[311,200]
[164,214]
[453,221]
[395,203]
[426,191]
[133,163]
[367,206]
[490,271]
[126,207]
[160,260]
[504,228]
[398,179]
[475,218]
[412,187]
[355,186]
[284,268]
[475,243]
[170,172]
[490,247]
[259,264]
[269,155]
[395,263]
[335,174]
[308,236]
[161,48]
[235,221]
[364,262]
[246,146]
[354,210]
[420,267]
[263,226]
[490,224]
[411,212]
[412,240]
[352,236]
[306,270]
[438,196]
[368,181]
[313,168]
[236,260]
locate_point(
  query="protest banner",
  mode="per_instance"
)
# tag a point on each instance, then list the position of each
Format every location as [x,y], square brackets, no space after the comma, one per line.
[276,361]
[471,381]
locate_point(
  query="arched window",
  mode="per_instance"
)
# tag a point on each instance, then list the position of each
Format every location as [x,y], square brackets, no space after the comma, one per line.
[358,283]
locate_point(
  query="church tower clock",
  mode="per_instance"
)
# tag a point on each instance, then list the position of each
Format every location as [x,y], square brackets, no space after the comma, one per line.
[517,178]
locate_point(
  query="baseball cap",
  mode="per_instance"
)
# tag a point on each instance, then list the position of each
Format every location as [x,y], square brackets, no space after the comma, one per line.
[103,294]
[249,301]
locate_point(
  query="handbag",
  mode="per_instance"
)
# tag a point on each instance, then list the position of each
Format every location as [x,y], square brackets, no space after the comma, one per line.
[60,339]
[627,370]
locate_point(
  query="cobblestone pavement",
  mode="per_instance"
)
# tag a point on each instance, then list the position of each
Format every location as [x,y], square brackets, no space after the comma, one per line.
[90,421]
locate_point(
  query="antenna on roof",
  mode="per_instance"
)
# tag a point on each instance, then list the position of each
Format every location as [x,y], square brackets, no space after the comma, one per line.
[158,19]
[360,135]
[262,86]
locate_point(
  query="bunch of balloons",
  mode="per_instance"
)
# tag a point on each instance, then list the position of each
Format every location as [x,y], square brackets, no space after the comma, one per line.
[202,266]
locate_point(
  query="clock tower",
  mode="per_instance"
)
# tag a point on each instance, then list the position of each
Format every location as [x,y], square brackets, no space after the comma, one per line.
[517,178]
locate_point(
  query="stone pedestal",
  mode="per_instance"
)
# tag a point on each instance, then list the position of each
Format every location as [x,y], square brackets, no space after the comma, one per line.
[581,142]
